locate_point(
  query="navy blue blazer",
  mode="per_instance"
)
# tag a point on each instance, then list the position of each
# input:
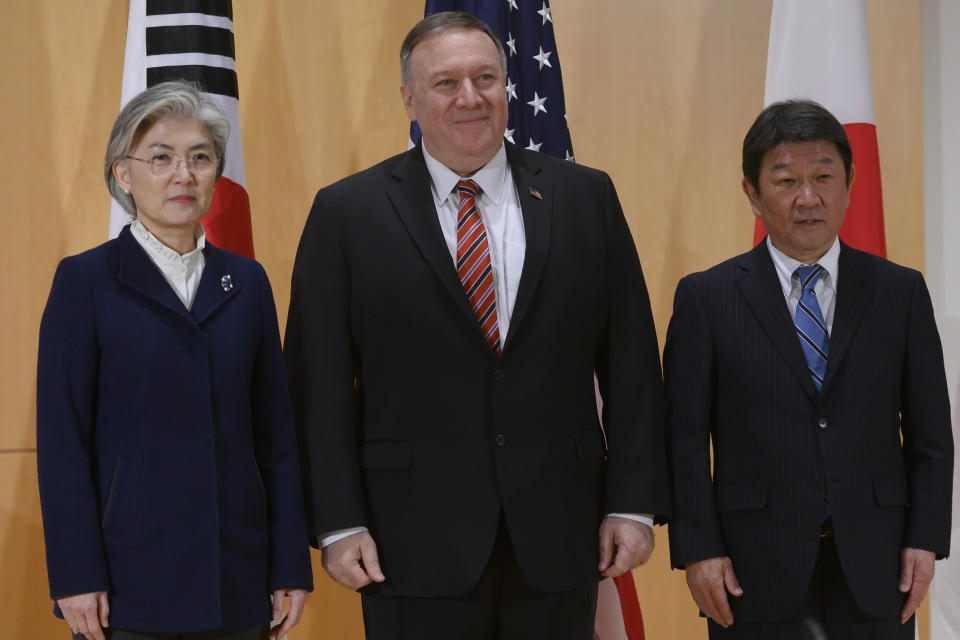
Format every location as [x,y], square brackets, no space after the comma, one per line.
[165,443]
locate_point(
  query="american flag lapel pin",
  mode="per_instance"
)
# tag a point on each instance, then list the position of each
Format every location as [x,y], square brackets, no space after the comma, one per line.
[535,194]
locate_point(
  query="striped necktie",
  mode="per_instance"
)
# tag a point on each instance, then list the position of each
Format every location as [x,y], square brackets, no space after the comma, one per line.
[473,263]
[811,329]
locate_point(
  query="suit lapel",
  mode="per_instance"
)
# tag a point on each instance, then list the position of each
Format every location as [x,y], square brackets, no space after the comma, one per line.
[138,272]
[217,284]
[411,196]
[857,285]
[760,285]
[534,194]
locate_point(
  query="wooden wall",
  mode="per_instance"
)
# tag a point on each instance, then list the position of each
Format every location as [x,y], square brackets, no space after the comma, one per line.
[659,94]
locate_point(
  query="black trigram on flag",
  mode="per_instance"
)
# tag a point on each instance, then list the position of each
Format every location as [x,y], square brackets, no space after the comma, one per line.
[200,32]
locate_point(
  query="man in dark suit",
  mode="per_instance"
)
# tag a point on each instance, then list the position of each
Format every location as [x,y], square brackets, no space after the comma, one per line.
[818,374]
[448,310]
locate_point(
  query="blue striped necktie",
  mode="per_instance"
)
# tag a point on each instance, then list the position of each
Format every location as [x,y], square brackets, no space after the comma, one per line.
[811,329]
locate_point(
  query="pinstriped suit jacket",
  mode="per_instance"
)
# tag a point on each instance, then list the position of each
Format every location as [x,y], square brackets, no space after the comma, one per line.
[735,375]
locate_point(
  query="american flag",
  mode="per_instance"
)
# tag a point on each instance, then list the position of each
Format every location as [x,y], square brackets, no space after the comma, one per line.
[538,121]
[538,116]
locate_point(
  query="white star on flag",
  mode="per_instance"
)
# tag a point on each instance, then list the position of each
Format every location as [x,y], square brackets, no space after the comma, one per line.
[511,90]
[537,103]
[508,134]
[545,12]
[569,156]
[512,44]
[533,147]
[542,58]
[512,4]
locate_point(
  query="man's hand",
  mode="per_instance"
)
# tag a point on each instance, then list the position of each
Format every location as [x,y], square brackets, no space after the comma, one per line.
[916,572]
[624,544]
[709,581]
[86,613]
[353,561]
[298,597]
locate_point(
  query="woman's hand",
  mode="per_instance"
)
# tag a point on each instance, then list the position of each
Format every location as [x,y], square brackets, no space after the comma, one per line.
[298,597]
[86,613]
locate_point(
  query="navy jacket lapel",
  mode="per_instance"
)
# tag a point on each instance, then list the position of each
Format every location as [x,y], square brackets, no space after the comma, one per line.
[536,210]
[138,272]
[857,285]
[410,194]
[217,284]
[760,286]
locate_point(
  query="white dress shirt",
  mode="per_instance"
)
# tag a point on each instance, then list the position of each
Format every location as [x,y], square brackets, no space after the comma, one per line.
[182,272]
[825,289]
[499,208]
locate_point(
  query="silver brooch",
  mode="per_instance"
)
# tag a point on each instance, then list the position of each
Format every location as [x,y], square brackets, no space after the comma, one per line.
[226,282]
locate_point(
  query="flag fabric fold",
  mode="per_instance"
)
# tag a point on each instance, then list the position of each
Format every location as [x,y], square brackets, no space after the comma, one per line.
[193,40]
[820,49]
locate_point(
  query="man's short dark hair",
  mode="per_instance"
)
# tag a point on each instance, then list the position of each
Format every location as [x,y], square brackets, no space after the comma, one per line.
[438,23]
[792,121]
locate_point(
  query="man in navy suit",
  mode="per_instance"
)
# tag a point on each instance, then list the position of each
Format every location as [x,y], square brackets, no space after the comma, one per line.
[449,308]
[816,371]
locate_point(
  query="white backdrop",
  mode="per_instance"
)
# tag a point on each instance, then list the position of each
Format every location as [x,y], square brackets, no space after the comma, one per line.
[941,118]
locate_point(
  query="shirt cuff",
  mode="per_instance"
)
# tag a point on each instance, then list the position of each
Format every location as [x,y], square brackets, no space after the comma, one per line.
[642,518]
[333,536]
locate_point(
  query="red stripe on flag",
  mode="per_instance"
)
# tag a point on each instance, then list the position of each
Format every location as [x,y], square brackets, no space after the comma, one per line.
[227,225]
[863,226]
[630,606]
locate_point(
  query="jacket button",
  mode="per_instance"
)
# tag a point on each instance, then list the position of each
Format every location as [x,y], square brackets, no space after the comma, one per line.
[822,423]
[500,439]
[817,482]
[498,374]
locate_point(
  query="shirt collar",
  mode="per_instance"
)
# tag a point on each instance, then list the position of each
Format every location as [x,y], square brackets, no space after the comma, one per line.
[786,265]
[492,177]
[150,242]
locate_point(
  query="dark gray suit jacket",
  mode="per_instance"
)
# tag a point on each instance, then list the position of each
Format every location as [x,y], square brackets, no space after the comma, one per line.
[411,426]
[735,373]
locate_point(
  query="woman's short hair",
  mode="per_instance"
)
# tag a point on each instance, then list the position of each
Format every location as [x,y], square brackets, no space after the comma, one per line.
[174,99]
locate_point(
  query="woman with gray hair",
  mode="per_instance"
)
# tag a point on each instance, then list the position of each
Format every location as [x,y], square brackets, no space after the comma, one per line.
[168,471]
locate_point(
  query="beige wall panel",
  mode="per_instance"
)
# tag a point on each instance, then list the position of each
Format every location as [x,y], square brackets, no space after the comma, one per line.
[63,94]
[320,99]
[658,94]
[26,610]
[897,52]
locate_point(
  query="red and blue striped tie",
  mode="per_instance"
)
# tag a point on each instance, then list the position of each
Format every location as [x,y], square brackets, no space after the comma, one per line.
[473,263]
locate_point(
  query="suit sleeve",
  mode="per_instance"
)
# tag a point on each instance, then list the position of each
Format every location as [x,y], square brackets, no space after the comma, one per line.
[927,433]
[630,380]
[323,372]
[67,369]
[276,453]
[688,376]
